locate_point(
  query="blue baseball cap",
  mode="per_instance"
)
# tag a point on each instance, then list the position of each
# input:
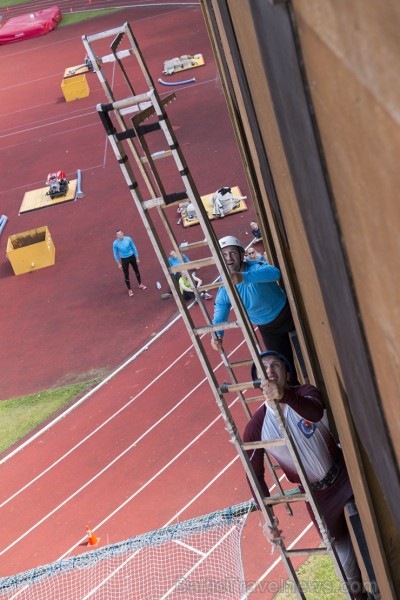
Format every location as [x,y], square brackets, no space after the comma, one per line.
[278,355]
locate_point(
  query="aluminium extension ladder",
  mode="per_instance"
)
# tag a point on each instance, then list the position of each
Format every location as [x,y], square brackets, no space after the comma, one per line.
[129,122]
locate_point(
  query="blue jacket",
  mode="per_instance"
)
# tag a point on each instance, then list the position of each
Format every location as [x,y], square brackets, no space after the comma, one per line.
[177,261]
[124,248]
[260,293]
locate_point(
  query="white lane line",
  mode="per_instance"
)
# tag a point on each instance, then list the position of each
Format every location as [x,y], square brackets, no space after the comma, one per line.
[93,391]
[94,431]
[49,124]
[151,480]
[111,463]
[257,585]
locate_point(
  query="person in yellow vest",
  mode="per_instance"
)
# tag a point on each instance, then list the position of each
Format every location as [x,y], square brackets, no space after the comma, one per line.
[186,288]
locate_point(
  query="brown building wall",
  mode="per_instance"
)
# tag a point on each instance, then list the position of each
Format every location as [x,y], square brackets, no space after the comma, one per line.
[314,94]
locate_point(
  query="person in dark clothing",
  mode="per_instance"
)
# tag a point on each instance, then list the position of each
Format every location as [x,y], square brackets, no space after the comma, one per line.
[125,254]
[302,410]
[256,231]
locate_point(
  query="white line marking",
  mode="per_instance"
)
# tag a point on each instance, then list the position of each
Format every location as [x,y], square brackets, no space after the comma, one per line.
[110,464]
[274,564]
[93,391]
[96,430]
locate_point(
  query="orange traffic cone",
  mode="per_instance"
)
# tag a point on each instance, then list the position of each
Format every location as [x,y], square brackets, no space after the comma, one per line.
[92,539]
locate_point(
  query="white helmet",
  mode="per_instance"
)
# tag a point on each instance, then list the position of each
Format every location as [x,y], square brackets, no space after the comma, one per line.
[229,240]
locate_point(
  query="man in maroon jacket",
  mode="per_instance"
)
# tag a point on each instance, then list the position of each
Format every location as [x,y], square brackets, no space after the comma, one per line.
[302,409]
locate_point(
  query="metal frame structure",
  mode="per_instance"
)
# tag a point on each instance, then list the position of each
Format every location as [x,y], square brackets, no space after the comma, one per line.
[148,119]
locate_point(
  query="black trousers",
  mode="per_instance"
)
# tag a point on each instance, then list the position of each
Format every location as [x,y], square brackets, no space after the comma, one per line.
[275,336]
[130,260]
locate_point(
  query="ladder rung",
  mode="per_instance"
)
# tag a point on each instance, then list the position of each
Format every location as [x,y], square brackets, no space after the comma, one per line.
[192,265]
[218,327]
[238,387]
[209,286]
[149,111]
[263,444]
[153,202]
[107,58]
[270,501]
[304,551]
[157,155]
[125,135]
[130,109]
[163,201]
[144,129]
[255,399]
[193,245]
[242,363]
[103,34]
[131,101]
[175,197]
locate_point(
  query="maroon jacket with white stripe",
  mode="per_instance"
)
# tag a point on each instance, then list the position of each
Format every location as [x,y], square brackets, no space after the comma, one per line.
[303,411]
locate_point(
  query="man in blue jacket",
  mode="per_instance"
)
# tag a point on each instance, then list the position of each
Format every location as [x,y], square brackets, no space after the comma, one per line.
[125,254]
[174,259]
[265,301]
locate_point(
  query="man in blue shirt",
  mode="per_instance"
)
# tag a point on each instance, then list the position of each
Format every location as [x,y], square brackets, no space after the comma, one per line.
[255,230]
[251,256]
[125,254]
[264,300]
[174,259]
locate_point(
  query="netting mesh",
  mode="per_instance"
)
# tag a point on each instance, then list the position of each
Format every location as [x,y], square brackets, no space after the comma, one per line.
[199,559]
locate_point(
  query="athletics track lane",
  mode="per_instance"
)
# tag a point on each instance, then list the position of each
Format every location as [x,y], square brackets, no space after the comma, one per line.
[69,322]
[146,444]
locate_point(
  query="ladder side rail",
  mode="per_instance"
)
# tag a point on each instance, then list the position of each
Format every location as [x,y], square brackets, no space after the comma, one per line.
[265,509]
[150,162]
[243,318]
[133,187]
[121,122]
[326,538]
[93,37]
[110,96]
[139,56]
[129,178]
[248,413]
[132,184]
[135,193]
[236,305]
[202,215]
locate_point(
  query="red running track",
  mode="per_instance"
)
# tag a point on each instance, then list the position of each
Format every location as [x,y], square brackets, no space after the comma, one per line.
[149,446]
[73,320]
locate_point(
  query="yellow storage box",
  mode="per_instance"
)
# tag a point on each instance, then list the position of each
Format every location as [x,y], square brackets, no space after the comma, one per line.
[31,250]
[74,88]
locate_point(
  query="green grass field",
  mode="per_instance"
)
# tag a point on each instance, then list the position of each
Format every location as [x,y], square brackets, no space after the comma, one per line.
[318,579]
[68,17]
[19,416]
